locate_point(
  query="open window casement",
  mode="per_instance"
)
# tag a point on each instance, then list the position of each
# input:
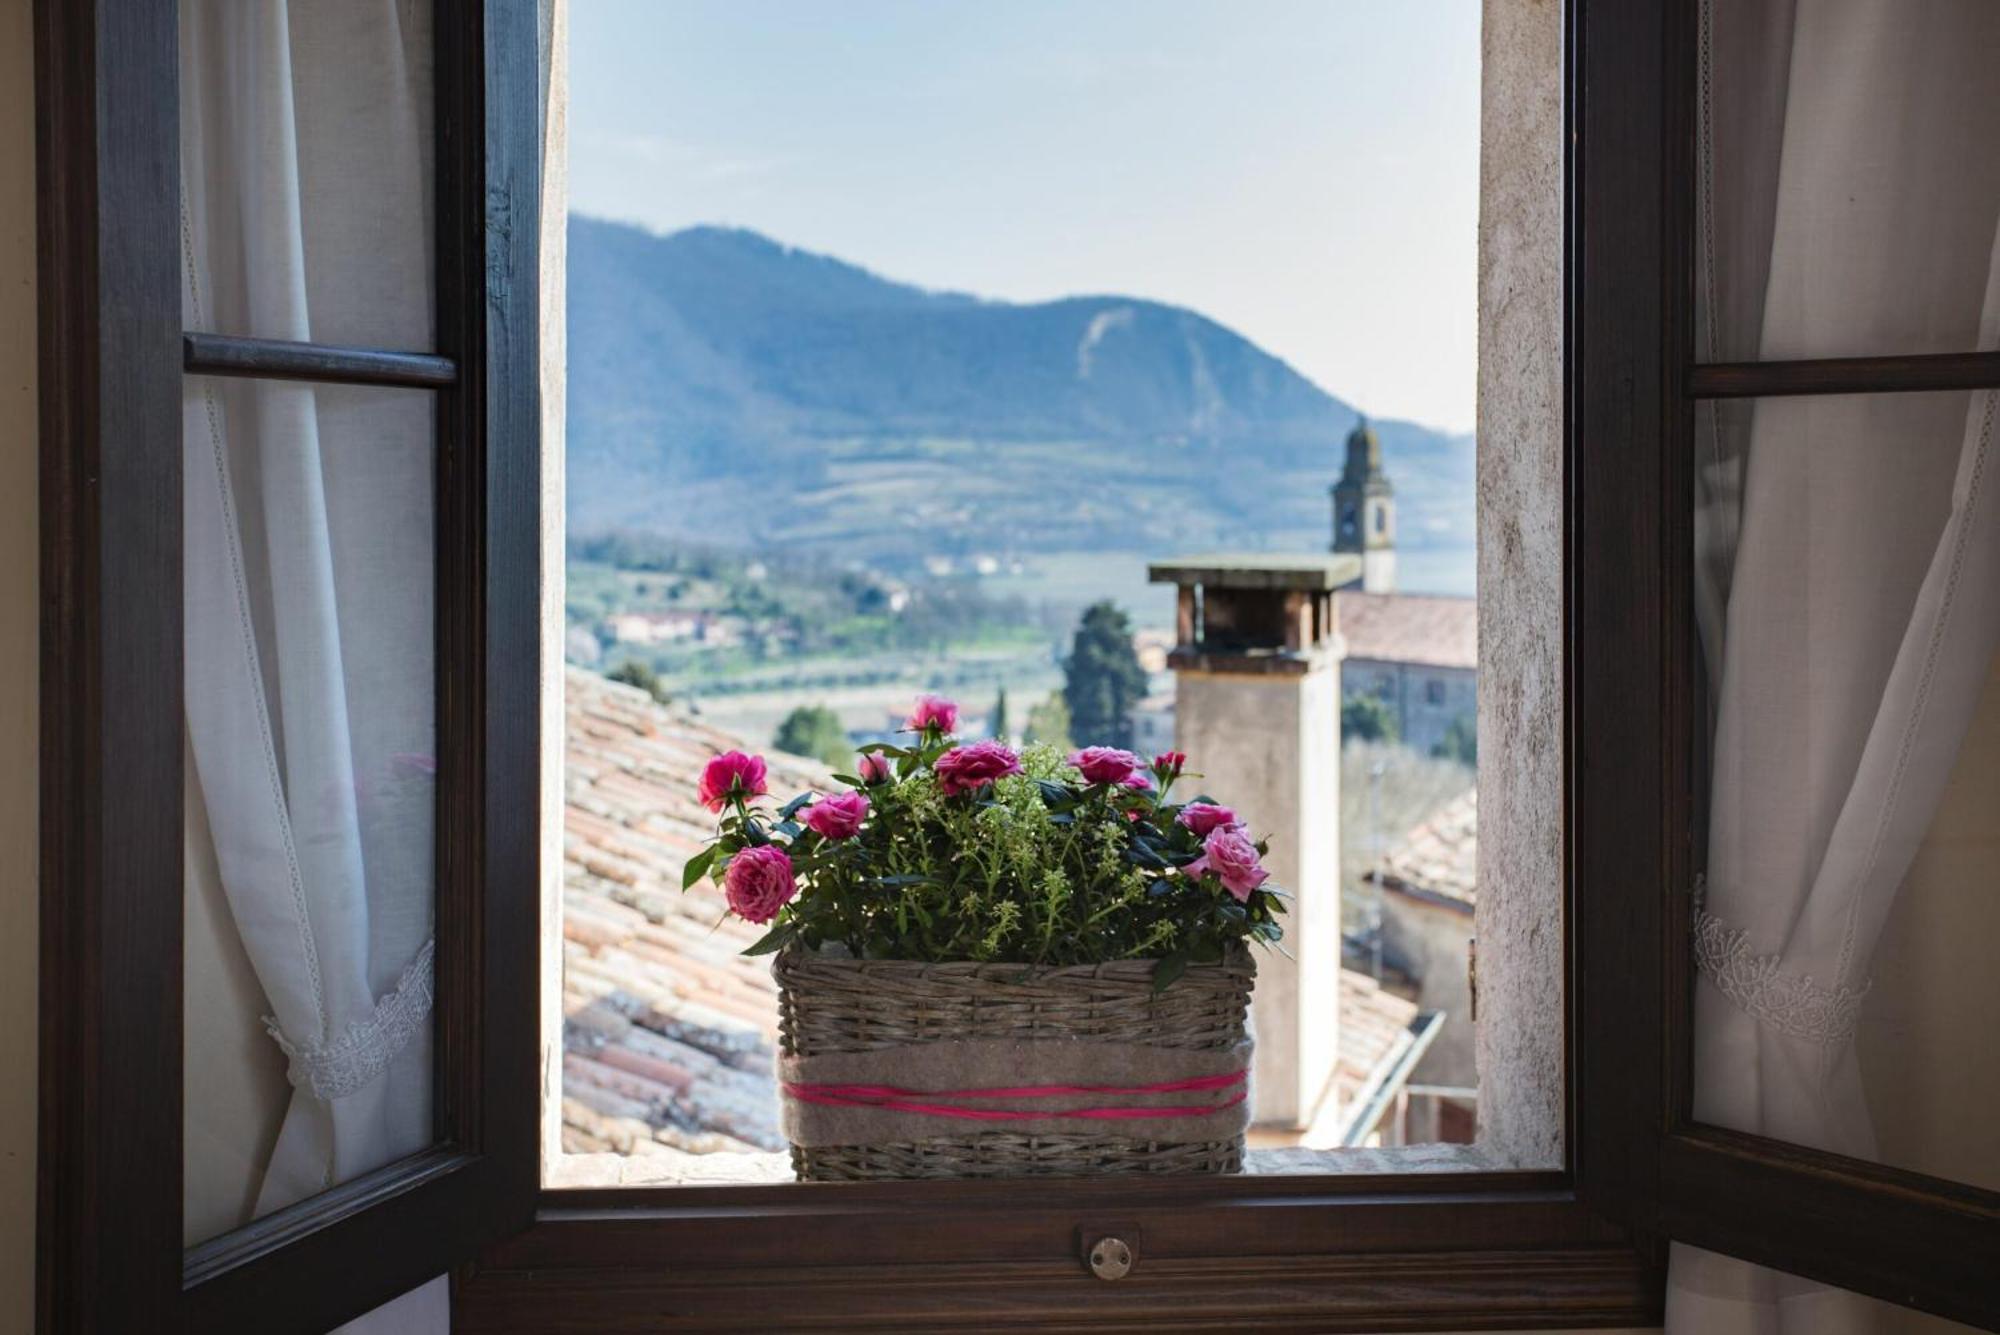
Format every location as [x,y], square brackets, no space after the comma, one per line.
[294,507]
[1788,267]
[289,429]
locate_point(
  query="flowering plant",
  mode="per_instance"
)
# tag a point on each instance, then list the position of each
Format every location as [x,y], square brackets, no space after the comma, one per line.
[942,850]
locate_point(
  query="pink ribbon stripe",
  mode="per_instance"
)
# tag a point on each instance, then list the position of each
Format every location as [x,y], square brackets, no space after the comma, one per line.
[892,1098]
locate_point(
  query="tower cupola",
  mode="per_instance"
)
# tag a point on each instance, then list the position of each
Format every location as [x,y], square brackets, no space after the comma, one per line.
[1364,510]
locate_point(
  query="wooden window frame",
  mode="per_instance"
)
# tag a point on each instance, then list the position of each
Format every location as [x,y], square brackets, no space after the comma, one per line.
[1890,1233]
[113,355]
[1579,1246]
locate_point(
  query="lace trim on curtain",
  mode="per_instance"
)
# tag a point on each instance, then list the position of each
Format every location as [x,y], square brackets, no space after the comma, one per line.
[350,1061]
[1759,986]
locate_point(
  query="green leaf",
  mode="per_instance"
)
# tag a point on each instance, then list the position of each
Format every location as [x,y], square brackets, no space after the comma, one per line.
[1168,969]
[791,808]
[697,867]
[1055,794]
[772,940]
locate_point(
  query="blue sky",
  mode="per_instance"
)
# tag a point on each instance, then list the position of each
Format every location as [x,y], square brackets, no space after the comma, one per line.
[1305,171]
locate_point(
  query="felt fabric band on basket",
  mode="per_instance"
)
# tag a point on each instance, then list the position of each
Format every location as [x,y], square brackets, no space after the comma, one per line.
[948,1102]
[922,1091]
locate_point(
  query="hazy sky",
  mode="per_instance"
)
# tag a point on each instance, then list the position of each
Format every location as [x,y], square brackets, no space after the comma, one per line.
[1305,171]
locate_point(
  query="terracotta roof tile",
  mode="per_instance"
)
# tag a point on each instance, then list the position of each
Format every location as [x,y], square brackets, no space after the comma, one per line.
[1428,629]
[1438,859]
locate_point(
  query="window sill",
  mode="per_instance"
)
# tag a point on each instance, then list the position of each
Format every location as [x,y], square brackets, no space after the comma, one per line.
[665,1167]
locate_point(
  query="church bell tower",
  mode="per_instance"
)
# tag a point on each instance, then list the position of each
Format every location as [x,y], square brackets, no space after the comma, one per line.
[1364,511]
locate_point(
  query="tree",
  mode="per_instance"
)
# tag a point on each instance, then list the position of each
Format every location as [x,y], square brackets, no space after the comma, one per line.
[1049,722]
[814,730]
[1365,718]
[634,673]
[1102,678]
[997,725]
[1460,741]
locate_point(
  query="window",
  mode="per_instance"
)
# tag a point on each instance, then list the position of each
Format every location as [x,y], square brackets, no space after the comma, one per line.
[1645,1149]
[288,557]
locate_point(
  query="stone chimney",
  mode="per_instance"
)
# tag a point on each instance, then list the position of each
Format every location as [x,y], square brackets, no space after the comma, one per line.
[1257,709]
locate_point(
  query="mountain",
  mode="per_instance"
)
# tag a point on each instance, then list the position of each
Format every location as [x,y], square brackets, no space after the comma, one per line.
[727,386]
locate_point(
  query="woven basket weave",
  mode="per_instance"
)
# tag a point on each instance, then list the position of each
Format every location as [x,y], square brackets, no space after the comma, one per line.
[828,1005]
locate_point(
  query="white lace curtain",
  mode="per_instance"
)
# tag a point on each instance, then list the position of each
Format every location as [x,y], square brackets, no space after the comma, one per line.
[307,216]
[1848,551]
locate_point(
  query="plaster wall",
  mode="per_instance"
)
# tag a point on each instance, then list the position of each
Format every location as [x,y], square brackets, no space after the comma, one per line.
[1425,700]
[1427,942]
[19,670]
[1518,922]
[1269,746]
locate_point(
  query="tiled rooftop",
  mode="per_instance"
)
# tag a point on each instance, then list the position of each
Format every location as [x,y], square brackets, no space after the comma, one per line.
[1428,629]
[1436,860]
[669,1032]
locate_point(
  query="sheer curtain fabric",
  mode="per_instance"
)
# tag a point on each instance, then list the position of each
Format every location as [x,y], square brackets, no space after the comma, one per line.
[308,563]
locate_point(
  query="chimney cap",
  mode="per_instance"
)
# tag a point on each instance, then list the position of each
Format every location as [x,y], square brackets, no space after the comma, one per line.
[1259,570]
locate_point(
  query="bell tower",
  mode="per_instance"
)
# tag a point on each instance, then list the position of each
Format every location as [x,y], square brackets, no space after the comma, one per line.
[1364,510]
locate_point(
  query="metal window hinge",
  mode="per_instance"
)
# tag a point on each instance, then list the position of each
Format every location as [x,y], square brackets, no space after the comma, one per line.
[1472,974]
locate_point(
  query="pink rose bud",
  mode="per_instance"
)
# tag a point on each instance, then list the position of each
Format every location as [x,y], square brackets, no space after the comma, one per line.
[1104,764]
[759,882]
[1138,781]
[964,769]
[1169,764]
[1202,817]
[875,768]
[839,816]
[731,776]
[933,713]
[1229,853]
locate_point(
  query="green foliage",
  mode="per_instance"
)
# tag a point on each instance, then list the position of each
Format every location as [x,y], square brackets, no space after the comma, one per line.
[1048,723]
[815,730]
[634,673]
[1102,678]
[1460,741]
[996,725]
[1037,867]
[1367,718]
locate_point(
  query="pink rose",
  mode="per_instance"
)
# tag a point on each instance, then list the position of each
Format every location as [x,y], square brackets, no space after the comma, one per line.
[839,816]
[1202,817]
[759,882]
[965,768]
[731,776]
[1229,853]
[1169,765]
[1104,764]
[1138,781]
[933,713]
[874,767]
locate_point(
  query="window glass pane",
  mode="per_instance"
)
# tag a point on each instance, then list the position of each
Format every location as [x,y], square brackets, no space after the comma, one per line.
[306,181]
[1849,194]
[1708,1291]
[310,671]
[1849,584]
[810,479]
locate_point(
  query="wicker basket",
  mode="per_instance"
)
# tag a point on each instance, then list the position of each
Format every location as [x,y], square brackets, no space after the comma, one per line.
[831,1005]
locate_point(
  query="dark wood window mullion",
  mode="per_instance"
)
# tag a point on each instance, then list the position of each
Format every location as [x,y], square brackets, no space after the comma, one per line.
[1846,375]
[275,359]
